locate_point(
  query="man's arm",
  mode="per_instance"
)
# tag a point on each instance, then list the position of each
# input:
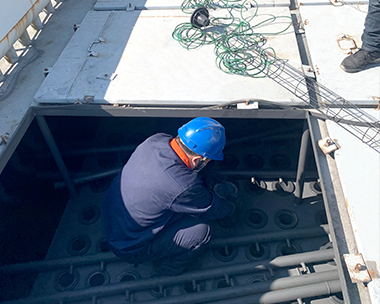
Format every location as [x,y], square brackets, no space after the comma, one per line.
[200,202]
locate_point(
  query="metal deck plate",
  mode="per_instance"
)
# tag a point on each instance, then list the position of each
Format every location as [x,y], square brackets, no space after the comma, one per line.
[323,27]
[160,72]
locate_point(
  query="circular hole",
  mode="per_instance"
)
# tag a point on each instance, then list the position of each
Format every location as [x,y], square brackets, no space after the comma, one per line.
[229,162]
[256,188]
[97,279]
[286,219]
[316,187]
[103,246]
[284,188]
[89,215]
[253,161]
[285,249]
[255,279]
[225,254]
[128,276]
[256,218]
[279,161]
[79,245]
[321,217]
[222,283]
[257,252]
[66,280]
[188,287]
[100,185]
[160,292]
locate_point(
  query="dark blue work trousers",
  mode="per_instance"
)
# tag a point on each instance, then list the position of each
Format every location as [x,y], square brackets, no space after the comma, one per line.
[371,34]
[175,247]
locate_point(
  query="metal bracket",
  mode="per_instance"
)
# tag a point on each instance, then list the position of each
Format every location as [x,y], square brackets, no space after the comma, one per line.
[88,98]
[308,71]
[327,145]
[357,268]
[130,7]
[106,76]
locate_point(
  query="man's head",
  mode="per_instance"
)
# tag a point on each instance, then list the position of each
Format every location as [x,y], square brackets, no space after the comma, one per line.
[203,139]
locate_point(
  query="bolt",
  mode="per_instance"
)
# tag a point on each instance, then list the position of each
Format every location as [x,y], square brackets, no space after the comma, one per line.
[359,267]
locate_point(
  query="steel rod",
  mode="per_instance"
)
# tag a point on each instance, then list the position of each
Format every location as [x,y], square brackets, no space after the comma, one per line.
[304,149]
[89,178]
[249,289]
[56,155]
[270,236]
[109,257]
[199,275]
[232,173]
[273,297]
[266,174]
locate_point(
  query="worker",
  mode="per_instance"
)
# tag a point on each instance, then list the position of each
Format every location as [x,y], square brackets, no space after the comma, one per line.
[370,50]
[157,208]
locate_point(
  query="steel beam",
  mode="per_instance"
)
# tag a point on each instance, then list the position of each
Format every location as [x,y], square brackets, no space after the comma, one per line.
[56,155]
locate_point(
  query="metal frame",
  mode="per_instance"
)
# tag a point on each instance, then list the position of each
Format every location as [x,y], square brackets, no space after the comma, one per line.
[328,185]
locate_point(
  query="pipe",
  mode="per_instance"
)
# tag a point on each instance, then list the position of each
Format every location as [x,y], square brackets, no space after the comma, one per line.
[265,174]
[270,237]
[204,274]
[249,289]
[273,297]
[80,152]
[107,257]
[214,243]
[234,173]
[88,178]
[21,14]
[304,149]
[56,155]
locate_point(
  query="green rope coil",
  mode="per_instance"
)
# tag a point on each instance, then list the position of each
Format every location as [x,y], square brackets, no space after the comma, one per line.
[237,47]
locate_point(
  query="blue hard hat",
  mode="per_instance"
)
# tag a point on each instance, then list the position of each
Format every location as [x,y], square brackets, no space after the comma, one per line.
[204,136]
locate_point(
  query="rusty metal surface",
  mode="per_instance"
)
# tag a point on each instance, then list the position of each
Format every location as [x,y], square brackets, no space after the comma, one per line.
[357,268]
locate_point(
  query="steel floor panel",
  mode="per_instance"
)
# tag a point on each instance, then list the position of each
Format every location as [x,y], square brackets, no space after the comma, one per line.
[162,72]
[324,26]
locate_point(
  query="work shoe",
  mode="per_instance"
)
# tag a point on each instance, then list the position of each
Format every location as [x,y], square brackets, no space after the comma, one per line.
[359,60]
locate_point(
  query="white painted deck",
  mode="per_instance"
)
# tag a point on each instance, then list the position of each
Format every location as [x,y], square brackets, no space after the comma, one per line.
[150,67]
